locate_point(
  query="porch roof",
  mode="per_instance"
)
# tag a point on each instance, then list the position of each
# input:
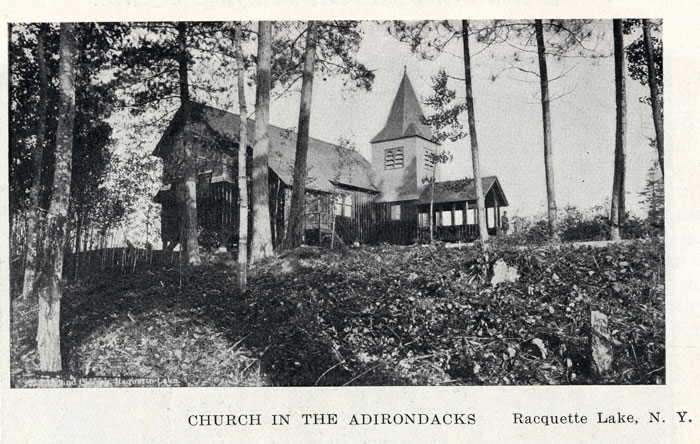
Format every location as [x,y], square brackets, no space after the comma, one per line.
[463,190]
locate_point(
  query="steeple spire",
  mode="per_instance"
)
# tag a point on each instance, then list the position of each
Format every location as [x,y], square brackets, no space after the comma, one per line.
[406,116]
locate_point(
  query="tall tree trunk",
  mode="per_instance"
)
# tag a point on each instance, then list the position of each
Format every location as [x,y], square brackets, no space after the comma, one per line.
[78,231]
[189,192]
[432,200]
[617,206]
[78,239]
[334,198]
[38,155]
[547,127]
[476,162]
[261,244]
[656,109]
[295,231]
[50,292]
[242,172]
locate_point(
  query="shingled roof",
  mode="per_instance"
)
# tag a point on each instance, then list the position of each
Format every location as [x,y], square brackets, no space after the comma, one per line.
[406,116]
[462,190]
[327,164]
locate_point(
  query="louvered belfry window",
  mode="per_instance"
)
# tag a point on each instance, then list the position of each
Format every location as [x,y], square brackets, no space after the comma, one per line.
[429,161]
[393,158]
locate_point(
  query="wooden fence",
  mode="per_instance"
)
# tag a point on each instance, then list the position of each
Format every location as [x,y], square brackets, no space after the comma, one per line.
[124,260]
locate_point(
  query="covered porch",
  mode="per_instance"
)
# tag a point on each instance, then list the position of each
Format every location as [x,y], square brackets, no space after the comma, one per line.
[455,214]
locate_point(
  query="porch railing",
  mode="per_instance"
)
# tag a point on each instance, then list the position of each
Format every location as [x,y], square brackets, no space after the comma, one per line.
[451,233]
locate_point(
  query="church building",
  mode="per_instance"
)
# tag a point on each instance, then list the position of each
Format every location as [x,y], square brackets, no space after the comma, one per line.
[385,199]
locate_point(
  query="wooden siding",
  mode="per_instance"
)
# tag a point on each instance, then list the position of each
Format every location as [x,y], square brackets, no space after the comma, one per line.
[359,225]
[403,231]
[320,211]
[217,207]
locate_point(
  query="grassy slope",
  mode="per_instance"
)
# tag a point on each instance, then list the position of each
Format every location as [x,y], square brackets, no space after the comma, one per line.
[381,315]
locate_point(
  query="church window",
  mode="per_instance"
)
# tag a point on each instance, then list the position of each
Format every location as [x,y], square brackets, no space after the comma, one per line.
[347,211]
[424,220]
[343,205]
[396,212]
[338,205]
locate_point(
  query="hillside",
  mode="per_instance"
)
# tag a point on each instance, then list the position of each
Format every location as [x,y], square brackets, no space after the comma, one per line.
[376,316]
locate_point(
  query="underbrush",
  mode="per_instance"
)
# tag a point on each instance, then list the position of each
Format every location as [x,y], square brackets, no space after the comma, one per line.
[385,315]
[578,226]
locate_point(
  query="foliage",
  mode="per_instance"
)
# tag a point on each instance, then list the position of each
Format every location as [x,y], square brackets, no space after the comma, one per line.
[445,120]
[92,133]
[654,197]
[337,44]
[94,205]
[579,226]
[636,53]
[378,316]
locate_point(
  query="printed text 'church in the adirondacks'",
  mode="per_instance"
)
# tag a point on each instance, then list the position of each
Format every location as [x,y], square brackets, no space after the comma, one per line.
[385,199]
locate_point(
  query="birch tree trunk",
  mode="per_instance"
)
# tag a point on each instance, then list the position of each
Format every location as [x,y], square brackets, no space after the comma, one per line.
[334,198]
[295,229]
[476,162]
[617,205]
[50,292]
[242,172]
[261,244]
[547,128]
[656,110]
[189,192]
[38,155]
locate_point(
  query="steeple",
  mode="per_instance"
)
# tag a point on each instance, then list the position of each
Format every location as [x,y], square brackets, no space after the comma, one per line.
[406,116]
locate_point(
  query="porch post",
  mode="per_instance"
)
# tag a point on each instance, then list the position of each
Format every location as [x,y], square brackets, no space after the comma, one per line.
[498,214]
[418,227]
[465,231]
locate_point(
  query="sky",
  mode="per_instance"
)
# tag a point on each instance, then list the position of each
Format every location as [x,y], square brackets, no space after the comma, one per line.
[508,119]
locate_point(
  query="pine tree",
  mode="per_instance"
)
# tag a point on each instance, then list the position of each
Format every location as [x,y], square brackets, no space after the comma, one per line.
[476,162]
[330,48]
[295,231]
[617,205]
[187,192]
[645,64]
[547,129]
[654,197]
[654,88]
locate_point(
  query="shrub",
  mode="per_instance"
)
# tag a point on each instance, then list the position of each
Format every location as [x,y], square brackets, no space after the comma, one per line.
[577,226]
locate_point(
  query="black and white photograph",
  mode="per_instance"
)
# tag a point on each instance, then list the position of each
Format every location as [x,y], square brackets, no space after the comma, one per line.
[336,203]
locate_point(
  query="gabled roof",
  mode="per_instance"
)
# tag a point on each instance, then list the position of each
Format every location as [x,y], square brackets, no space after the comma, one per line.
[327,164]
[462,190]
[406,116]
